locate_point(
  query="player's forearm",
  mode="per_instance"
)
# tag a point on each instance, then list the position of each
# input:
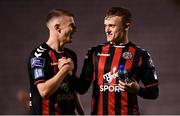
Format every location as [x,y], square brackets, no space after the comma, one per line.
[80,85]
[50,86]
[78,104]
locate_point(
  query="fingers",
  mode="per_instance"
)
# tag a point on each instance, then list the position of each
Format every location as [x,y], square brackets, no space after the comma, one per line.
[70,73]
[69,59]
[66,61]
[128,87]
[132,79]
[122,85]
[61,62]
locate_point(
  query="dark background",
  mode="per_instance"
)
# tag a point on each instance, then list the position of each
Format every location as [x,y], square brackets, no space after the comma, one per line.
[156,27]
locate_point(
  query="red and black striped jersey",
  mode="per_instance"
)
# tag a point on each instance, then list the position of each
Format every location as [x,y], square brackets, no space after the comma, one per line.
[101,67]
[40,70]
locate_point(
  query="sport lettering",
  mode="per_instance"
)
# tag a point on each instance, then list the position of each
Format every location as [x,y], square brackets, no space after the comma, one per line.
[110,88]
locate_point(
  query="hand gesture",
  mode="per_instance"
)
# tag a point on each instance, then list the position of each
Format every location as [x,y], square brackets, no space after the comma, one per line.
[61,62]
[66,62]
[131,87]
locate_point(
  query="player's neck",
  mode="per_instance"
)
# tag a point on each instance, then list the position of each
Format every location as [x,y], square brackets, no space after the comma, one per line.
[55,44]
[121,41]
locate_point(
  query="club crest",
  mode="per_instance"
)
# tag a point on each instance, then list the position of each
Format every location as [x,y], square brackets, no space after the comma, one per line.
[127,55]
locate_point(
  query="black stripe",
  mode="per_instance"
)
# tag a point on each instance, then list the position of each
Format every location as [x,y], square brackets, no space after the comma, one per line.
[130,96]
[107,69]
[135,62]
[132,73]
[95,94]
[117,94]
[51,105]
[52,98]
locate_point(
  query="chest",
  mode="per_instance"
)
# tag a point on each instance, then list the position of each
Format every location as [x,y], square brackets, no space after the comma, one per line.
[108,61]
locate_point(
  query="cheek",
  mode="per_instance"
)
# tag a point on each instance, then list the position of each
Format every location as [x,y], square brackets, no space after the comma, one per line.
[66,33]
[118,33]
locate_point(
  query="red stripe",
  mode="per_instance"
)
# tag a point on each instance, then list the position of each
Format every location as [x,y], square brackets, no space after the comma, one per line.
[92,101]
[152,85]
[45,102]
[124,96]
[92,104]
[135,110]
[45,106]
[140,62]
[94,77]
[101,65]
[54,59]
[38,81]
[111,95]
[57,109]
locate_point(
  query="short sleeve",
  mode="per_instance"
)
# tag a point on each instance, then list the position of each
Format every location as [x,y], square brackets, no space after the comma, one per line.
[37,62]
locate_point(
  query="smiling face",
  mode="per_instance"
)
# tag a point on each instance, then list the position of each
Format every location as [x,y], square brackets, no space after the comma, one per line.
[114,29]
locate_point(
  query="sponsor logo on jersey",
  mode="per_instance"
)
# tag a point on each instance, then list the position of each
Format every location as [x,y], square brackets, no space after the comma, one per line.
[110,88]
[39,51]
[101,54]
[37,54]
[109,77]
[38,72]
[37,62]
[127,55]
[61,97]
[66,93]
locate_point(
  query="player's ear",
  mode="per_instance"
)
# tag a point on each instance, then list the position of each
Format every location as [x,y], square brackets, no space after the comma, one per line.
[127,25]
[57,28]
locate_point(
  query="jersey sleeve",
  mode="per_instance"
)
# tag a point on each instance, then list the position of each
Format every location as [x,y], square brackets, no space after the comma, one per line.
[149,75]
[37,62]
[148,78]
[82,83]
[87,70]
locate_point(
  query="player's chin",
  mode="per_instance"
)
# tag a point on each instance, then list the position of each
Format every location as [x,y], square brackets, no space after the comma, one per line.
[109,39]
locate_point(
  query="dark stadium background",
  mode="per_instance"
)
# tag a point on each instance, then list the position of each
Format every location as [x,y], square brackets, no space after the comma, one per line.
[156,27]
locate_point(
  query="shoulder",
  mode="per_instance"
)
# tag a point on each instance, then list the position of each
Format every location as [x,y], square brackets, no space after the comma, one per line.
[145,55]
[97,48]
[140,50]
[40,52]
[38,56]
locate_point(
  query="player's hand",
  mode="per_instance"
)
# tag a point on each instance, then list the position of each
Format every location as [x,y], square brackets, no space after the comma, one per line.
[70,63]
[66,63]
[61,62]
[131,87]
